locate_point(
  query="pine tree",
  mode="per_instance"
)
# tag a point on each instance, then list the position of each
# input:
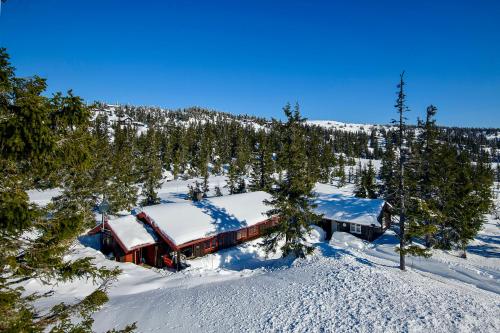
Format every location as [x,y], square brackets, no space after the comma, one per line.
[359,190]
[204,159]
[313,142]
[358,173]
[234,178]
[101,172]
[179,152]
[401,110]
[196,191]
[292,197]
[473,199]
[423,172]
[413,211]
[326,163]
[122,189]
[420,215]
[237,166]
[350,174]
[262,165]
[366,186]
[242,153]
[428,142]
[498,175]
[387,173]
[150,167]
[340,172]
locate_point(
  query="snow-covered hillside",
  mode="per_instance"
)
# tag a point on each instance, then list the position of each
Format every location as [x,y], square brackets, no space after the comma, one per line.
[348,127]
[347,285]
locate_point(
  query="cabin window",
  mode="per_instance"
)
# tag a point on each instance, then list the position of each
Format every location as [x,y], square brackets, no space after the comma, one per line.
[214,242]
[207,245]
[252,231]
[188,252]
[241,234]
[355,228]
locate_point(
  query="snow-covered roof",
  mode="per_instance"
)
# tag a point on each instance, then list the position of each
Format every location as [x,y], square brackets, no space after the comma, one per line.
[350,209]
[182,222]
[131,232]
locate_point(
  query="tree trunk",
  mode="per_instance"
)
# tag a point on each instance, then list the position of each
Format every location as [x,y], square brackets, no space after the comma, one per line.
[402,263]
[463,255]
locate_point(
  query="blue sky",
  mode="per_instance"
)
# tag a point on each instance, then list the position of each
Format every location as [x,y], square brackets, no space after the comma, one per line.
[339,59]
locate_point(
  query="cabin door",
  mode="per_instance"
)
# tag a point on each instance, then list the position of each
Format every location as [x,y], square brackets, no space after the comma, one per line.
[197,250]
[138,257]
[226,240]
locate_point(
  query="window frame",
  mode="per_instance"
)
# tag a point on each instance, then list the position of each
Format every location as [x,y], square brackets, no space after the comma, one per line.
[241,234]
[253,231]
[353,228]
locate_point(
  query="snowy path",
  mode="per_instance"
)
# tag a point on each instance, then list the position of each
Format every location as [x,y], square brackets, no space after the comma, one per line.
[480,269]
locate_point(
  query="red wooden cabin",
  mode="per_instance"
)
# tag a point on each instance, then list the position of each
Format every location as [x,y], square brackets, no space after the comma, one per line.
[129,240]
[166,234]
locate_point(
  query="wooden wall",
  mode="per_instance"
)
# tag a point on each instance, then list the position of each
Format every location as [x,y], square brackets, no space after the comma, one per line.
[224,240]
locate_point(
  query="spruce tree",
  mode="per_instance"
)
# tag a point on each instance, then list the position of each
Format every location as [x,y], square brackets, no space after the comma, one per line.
[498,173]
[204,159]
[420,217]
[196,191]
[262,165]
[340,171]
[350,174]
[293,194]
[326,162]
[313,154]
[401,110]
[359,190]
[413,211]
[179,152]
[387,173]
[101,172]
[235,179]
[122,189]
[423,173]
[150,167]
[473,199]
[366,186]
[237,166]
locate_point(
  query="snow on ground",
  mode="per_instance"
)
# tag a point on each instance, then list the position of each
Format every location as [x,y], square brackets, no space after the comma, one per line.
[176,190]
[347,285]
[334,290]
[481,270]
